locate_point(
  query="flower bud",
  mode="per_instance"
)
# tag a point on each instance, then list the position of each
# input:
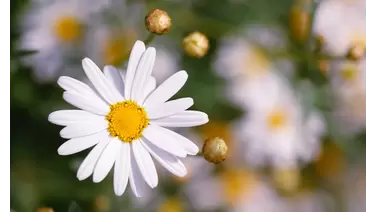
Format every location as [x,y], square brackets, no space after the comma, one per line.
[215,150]
[356,52]
[299,20]
[158,22]
[196,44]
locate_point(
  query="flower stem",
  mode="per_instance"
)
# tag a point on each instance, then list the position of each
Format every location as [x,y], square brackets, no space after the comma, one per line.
[149,39]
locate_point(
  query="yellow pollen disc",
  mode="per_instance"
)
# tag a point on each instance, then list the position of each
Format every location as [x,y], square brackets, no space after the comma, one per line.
[127,120]
[67,29]
[256,62]
[349,72]
[117,47]
[276,119]
[236,184]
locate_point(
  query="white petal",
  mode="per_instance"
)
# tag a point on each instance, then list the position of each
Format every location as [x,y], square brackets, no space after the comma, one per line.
[83,129]
[87,166]
[187,118]
[145,164]
[151,85]
[167,160]
[181,141]
[122,169]
[156,136]
[102,85]
[137,51]
[67,117]
[91,104]
[137,183]
[169,108]
[167,89]
[114,76]
[106,160]
[143,72]
[70,84]
[75,145]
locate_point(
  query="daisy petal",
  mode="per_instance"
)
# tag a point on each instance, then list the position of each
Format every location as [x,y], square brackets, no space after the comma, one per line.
[83,129]
[102,85]
[164,141]
[122,169]
[143,72]
[179,140]
[67,117]
[114,76]
[187,118]
[137,51]
[137,183]
[169,108]
[145,164]
[70,84]
[91,104]
[87,166]
[150,86]
[167,89]
[106,160]
[169,161]
[76,145]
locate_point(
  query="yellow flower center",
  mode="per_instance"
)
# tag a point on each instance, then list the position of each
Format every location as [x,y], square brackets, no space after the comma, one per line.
[117,47]
[67,29]
[349,72]
[127,120]
[256,62]
[236,183]
[276,119]
[171,205]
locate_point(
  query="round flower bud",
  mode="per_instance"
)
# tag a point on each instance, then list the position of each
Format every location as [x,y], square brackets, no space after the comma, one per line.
[45,209]
[158,22]
[215,150]
[299,20]
[196,44]
[356,52]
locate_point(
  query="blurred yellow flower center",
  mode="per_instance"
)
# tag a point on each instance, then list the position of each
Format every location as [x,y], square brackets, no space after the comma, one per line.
[171,205]
[256,62]
[127,120]
[288,179]
[67,29]
[349,72]
[236,184]
[117,47]
[276,119]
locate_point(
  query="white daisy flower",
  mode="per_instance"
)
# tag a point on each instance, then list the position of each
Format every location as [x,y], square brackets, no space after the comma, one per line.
[111,38]
[55,29]
[234,189]
[348,82]
[241,56]
[341,23]
[275,128]
[125,118]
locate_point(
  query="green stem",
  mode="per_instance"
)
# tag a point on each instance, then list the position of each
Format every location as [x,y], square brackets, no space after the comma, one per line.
[150,38]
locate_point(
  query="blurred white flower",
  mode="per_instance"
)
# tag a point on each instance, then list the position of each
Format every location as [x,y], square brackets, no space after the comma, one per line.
[275,128]
[234,189]
[341,23]
[111,37]
[55,29]
[241,56]
[348,81]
